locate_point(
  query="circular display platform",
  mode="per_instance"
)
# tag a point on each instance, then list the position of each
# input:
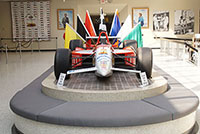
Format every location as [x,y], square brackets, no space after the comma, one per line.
[183,125]
[42,114]
[121,86]
[89,81]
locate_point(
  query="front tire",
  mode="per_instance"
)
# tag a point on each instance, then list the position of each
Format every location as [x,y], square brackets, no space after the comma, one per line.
[132,43]
[145,60]
[75,43]
[62,62]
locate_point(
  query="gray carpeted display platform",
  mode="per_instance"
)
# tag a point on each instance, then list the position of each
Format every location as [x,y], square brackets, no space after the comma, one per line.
[109,91]
[118,81]
[31,103]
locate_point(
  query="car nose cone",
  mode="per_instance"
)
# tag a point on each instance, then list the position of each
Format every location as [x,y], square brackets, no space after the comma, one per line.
[103,67]
[104,61]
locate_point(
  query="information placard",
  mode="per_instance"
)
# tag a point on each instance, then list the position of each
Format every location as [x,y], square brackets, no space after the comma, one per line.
[61,80]
[144,79]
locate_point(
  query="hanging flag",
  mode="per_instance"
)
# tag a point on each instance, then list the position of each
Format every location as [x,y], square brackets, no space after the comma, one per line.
[115,24]
[71,34]
[126,28]
[135,34]
[89,25]
[81,29]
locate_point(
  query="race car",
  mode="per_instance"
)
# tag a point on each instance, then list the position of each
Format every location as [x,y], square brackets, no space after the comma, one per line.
[103,57]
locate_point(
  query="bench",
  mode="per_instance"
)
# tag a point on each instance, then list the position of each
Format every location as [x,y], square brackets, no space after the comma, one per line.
[32,104]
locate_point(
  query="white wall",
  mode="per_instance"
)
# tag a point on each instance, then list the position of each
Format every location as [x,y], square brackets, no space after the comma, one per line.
[93,6]
[123,13]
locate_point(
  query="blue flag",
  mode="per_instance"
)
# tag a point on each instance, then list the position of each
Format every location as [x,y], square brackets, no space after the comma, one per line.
[115,25]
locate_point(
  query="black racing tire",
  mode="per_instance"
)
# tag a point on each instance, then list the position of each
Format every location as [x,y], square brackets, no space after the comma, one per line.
[144,60]
[62,62]
[75,43]
[132,43]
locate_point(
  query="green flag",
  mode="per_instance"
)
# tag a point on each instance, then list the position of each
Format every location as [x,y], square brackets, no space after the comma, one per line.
[135,34]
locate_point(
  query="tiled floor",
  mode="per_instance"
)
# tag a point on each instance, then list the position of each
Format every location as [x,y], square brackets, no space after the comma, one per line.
[19,72]
[184,72]
[14,76]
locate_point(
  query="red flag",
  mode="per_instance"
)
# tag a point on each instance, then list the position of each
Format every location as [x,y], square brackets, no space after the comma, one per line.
[89,24]
[64,36]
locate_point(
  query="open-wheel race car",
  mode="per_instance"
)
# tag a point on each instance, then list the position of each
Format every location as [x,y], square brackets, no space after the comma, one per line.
[103,58]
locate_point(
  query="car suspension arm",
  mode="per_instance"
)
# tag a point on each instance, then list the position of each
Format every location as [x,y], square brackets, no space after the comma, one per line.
[83,59]
[124,59]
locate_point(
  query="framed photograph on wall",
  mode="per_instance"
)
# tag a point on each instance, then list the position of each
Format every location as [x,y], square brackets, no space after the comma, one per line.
[65,16]
[140,15]
[161,21]
[184,22]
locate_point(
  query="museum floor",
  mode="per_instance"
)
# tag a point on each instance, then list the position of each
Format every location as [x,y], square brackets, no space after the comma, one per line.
[18,73]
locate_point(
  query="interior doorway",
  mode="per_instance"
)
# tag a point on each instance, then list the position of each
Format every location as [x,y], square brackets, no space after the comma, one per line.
[107,19]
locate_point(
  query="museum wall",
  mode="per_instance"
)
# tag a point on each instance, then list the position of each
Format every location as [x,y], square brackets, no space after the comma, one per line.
[5,20]
[93,6]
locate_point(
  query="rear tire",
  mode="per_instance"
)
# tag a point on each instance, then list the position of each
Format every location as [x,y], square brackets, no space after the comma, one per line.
[145,60]
[132,43]
[62,62]
[75,43]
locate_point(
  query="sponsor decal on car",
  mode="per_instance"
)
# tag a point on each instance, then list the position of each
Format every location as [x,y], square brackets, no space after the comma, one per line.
[103,51]
[103,64]
[100,57]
